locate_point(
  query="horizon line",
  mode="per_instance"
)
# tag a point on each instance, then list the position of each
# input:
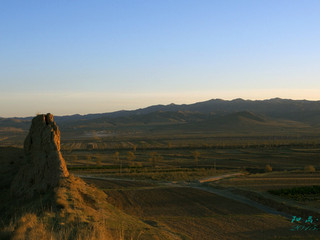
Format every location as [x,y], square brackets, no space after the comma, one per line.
[128,110]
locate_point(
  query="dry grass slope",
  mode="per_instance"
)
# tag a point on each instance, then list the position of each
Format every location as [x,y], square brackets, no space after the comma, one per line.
[79,211]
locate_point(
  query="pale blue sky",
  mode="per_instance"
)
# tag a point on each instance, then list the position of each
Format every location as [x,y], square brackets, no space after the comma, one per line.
[69,57]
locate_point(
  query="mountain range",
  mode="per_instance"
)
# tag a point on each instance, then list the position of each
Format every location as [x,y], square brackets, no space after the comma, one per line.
[212,115]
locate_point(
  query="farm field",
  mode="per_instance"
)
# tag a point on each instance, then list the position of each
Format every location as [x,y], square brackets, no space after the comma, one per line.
[196,214]
[190,163]
[145,189]
[155,178]
[273,180]
[292,192]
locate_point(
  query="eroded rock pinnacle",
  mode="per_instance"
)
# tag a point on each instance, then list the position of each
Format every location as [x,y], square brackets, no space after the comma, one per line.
[44,163]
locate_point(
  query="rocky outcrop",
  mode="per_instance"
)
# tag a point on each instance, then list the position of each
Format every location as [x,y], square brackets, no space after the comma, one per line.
[45,165]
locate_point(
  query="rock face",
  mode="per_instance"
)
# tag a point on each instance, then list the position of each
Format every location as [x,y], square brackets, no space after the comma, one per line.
[44,163]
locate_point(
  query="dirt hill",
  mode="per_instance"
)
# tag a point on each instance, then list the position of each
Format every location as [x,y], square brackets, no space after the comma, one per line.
[42,201]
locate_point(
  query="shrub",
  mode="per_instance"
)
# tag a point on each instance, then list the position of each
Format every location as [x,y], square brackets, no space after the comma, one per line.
[99,163]
[309,169]
[90,146]
[268,168]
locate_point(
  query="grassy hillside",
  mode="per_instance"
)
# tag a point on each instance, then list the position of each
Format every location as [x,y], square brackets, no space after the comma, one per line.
[72,210]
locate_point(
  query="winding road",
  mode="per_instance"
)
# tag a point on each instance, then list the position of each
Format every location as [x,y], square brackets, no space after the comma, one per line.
[202,185]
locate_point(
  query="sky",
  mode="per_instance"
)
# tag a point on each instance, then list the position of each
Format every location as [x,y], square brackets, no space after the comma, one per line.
[68,57]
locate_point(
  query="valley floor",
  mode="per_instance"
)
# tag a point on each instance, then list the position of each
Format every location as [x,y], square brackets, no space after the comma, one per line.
[195,213]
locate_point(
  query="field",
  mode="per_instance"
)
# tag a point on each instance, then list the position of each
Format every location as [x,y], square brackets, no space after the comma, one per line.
[161,194]
[195,214]
[151,180]
[189,163]
[273,181]
[156,180]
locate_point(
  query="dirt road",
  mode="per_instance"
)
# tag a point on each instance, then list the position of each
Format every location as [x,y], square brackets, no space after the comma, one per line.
[227,194]
[201,186]
[216,178]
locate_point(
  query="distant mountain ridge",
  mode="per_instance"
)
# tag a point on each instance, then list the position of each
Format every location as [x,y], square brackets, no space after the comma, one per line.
[274,106]
[296,110]
[201,116]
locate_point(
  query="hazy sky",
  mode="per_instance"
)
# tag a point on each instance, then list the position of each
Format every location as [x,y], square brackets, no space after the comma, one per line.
[67,56]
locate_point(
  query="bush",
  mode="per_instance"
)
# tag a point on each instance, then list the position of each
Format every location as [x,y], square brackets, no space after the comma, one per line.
[268,168]
[309,169]
[99,163]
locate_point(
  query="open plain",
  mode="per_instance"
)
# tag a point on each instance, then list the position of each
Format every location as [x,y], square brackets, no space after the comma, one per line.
[162,176]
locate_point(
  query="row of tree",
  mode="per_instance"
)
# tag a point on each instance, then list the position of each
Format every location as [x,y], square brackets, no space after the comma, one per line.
[154,157]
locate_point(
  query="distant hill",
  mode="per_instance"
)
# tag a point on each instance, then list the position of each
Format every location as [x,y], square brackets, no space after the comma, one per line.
[18,124]
[276,107]
[213,115]
[307,112]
